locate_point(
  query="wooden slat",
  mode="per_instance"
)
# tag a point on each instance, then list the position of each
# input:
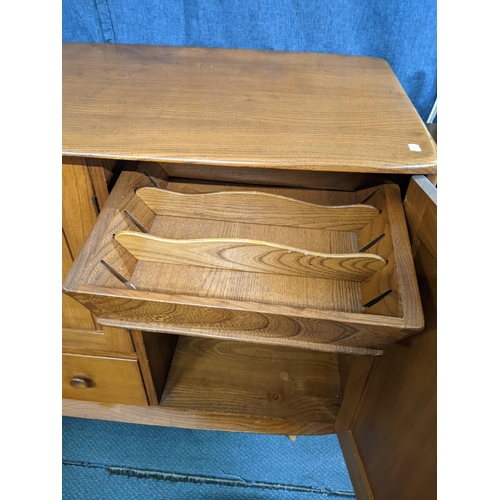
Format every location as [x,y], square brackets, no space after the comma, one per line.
[255,287]
[100,174]
[251,256]
[189,419]
[354,463]
[243,108]
[257,208]
[155,352]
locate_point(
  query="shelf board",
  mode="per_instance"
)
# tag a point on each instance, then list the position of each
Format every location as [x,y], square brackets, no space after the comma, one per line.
[235,378]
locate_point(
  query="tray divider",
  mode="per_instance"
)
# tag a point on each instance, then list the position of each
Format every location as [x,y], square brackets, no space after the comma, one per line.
[250,256]
[257,208]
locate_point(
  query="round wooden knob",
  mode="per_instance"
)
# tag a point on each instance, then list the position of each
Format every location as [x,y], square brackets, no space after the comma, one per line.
[81,382]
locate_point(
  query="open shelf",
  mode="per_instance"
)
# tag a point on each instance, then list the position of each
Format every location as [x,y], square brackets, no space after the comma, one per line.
[289,388]
[236,386]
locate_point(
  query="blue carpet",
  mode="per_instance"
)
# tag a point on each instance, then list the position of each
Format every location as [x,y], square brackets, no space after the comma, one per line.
[108,460]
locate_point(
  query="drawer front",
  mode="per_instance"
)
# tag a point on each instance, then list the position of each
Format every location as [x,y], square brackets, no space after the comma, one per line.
[104,380]
[113,342]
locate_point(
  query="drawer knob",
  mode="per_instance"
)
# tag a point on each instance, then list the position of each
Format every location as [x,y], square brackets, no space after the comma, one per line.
[81,382]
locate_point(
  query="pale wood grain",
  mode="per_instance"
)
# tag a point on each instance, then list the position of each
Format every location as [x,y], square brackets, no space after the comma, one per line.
[113,380]
[254,287]
[241,108]
[257,208]
[251,256]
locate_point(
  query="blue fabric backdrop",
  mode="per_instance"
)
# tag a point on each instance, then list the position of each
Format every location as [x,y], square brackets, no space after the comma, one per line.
[403,32]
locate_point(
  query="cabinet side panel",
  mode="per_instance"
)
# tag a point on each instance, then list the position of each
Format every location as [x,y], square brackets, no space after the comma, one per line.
[394,424]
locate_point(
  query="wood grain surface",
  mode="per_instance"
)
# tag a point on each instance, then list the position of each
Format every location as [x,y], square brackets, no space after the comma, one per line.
[271,309]
[257,208]
[251,256]
[260,381]
[78,218]
[388,421]
[104,341]
[155,352]
[233,386]
[328,331]
[341,181]
[189,419]
[78,213]
[240,108]
[74,314]
[112,380]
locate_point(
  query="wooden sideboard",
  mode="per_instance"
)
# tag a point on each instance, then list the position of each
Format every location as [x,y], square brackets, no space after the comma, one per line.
[249,245]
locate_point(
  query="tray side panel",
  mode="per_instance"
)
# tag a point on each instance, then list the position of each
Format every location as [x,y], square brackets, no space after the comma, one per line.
[268,328]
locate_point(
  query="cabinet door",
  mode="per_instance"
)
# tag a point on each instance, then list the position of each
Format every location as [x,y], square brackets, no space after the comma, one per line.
[84,190]
[78,218]
[387,423]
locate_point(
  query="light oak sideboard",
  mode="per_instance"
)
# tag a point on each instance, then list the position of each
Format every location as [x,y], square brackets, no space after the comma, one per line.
[249,244]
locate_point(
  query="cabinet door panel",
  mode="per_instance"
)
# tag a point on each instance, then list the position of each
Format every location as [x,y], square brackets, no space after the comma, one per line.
[74,314]
[78,212]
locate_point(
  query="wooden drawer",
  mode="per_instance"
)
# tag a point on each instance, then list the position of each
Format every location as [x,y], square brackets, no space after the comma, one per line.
[105,380]
[317,269]
[115,342]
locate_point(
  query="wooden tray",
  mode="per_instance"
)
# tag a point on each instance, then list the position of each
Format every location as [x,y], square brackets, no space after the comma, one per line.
[316,269]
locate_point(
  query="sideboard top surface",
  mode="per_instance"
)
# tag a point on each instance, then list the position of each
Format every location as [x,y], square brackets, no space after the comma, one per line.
[240,108]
